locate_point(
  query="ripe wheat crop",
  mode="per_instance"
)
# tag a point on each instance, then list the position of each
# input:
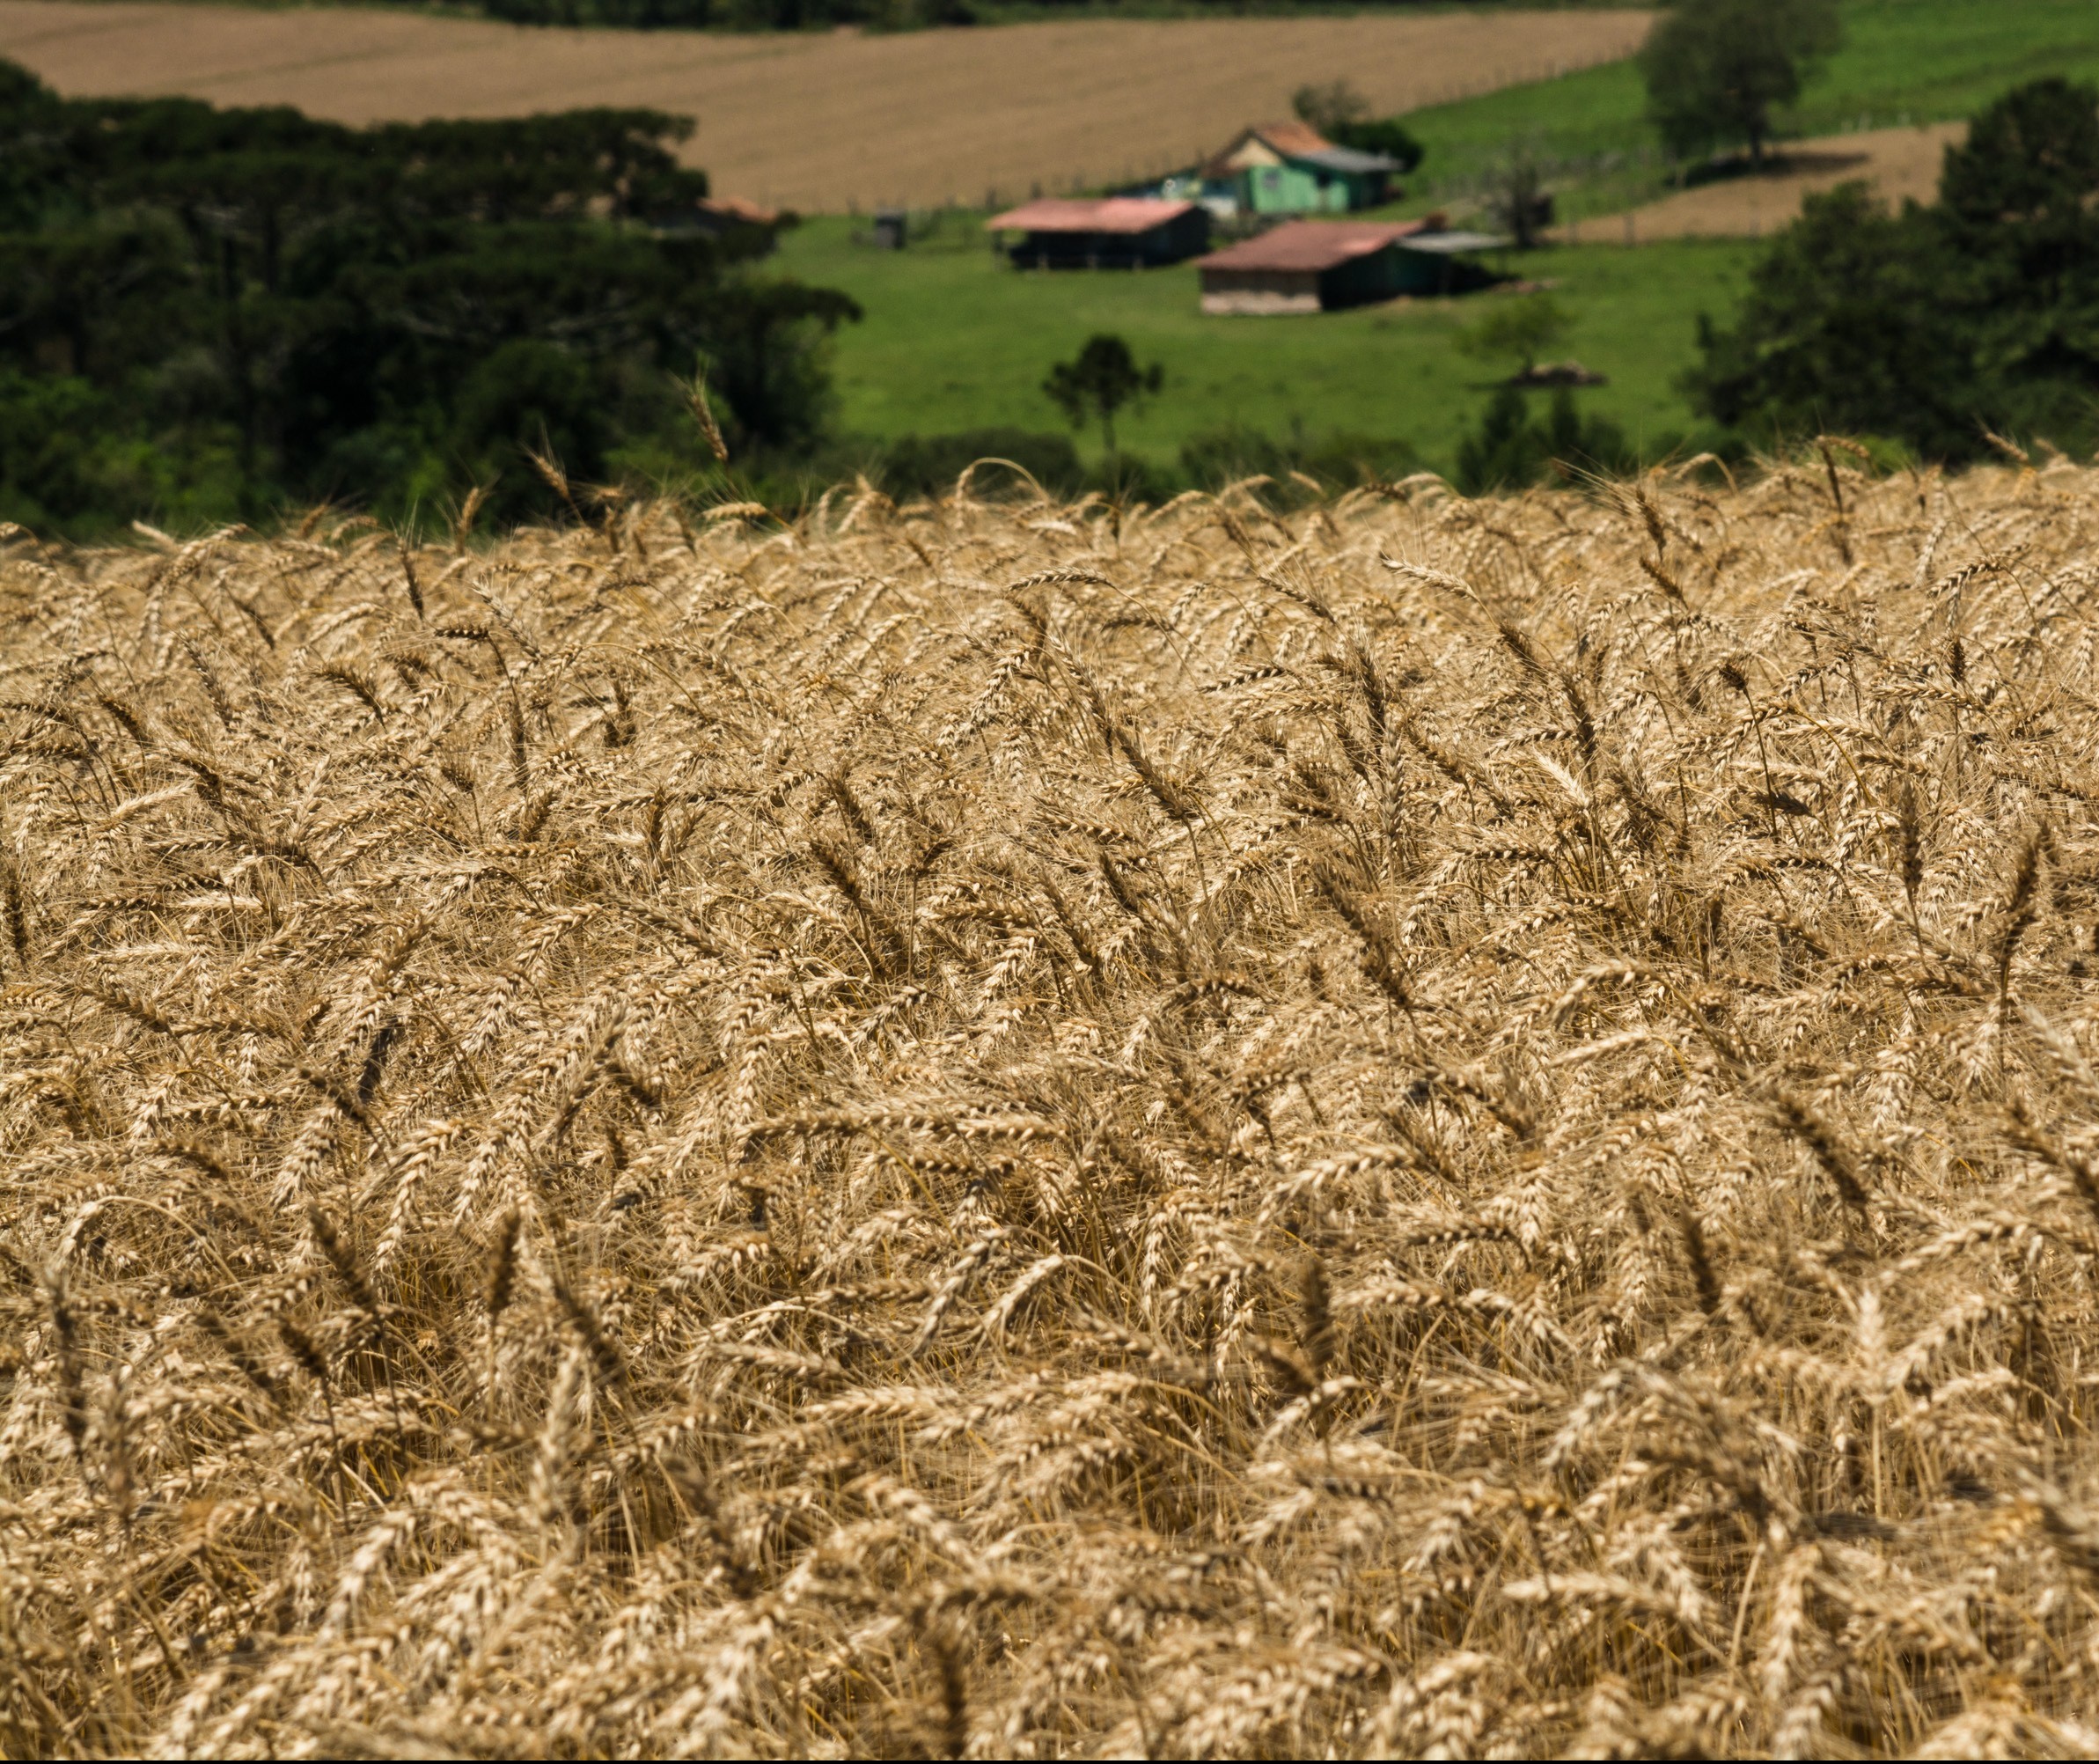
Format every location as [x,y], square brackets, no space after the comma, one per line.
[1414,1125]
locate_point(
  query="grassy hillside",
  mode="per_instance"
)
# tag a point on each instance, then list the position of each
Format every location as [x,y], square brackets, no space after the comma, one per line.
[1903,61]
[955,339]
[1409,1128]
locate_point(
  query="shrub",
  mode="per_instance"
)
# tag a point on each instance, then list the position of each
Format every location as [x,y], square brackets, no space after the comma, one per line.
[1509,450]
[1223,456]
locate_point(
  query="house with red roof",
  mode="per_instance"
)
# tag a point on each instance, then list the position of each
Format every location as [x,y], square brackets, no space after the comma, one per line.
[1115,232]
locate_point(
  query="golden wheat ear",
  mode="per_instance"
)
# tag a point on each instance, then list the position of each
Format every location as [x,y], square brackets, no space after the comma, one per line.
[1394,1125]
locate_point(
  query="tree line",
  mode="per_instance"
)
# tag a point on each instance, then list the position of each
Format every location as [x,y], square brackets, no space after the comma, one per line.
[211,313]
[1944,331]
[1941,327]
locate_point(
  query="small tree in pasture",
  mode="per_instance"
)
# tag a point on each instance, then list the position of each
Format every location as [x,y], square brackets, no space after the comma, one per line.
[1716,69]
[1102,379]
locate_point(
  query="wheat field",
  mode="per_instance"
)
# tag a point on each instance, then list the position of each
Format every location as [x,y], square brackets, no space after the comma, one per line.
[1420,1125]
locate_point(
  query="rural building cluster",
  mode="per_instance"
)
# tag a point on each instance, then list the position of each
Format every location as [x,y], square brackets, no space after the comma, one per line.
[1278,187]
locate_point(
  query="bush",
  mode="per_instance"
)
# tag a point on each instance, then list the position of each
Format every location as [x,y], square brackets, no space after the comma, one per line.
[1387,135]
[1224,455]
[1932,326]
[1509,449]
[1131,478]
[1342,115]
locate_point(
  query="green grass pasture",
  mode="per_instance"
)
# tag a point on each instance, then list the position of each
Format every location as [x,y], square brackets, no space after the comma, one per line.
[955,339]
[1902,62]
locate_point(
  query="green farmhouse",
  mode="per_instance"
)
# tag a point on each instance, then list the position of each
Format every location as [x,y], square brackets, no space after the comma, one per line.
[1288,168]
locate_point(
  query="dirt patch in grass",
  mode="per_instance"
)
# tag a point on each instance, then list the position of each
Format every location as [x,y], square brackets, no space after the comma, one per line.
[821,122]
[1898,162]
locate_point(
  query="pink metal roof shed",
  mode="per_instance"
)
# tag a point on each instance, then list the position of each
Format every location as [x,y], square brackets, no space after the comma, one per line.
[1113,215]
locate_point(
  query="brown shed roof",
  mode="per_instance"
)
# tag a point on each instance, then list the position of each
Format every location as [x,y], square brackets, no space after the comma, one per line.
[1309,245]
[1115,214]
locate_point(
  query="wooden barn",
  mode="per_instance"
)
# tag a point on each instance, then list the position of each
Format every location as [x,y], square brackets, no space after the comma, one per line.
[1118,232]
[1323,266]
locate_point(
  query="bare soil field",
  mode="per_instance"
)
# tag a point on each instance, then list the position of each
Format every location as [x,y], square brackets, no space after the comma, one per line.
[1408,1127]
[822,123]
[1899,163]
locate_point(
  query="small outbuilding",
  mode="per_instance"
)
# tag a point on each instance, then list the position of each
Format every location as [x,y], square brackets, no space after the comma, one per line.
[1323,266]
[1118,232]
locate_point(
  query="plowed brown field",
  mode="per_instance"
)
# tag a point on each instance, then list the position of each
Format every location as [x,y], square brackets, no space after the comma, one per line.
[822,121]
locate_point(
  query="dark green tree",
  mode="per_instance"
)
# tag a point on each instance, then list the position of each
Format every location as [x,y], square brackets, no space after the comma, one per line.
[760,339]
[2019,215]
[384,316]
[1517,331]
[1102,380]
[1846,327]
[1931,326]
[1342,115]
[1716,68]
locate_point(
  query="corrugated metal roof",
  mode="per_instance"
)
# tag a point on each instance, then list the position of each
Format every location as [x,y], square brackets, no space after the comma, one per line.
[1114,214]
[1348,160]
[1443,244]
[1309,244]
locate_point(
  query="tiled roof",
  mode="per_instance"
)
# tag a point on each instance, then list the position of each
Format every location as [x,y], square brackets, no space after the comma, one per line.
[1309,245]
[1447,244]
[1291,140]
[1296,139]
